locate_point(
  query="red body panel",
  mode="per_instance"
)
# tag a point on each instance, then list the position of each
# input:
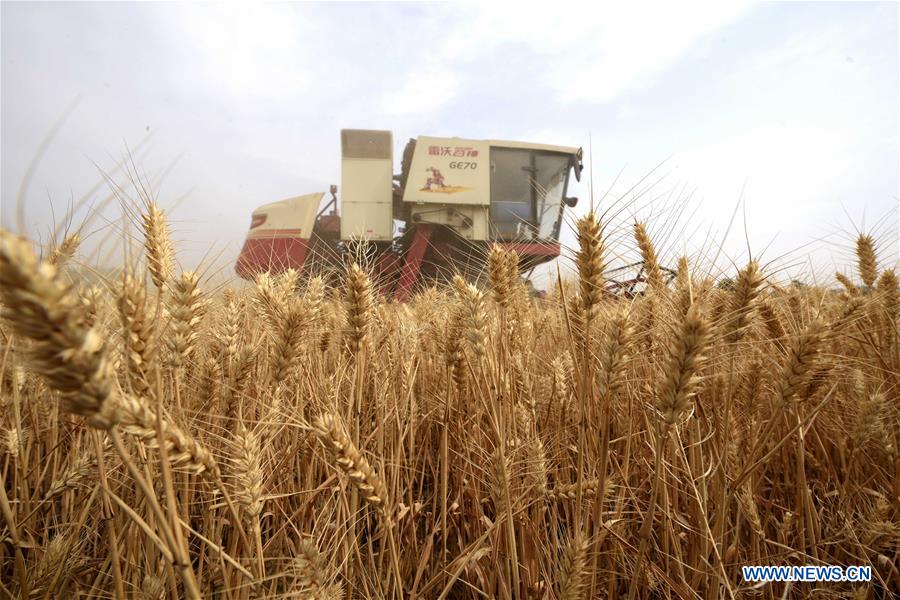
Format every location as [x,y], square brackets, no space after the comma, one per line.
[274,254]
[533,249]
[414,256]
[329,224]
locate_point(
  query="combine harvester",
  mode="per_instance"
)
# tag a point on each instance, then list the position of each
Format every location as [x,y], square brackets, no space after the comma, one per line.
[452,199]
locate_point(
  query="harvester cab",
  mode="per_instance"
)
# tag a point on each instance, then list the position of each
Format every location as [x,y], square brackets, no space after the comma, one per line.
[438,216]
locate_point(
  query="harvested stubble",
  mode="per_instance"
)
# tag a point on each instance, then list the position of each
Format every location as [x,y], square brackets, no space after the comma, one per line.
[290,441]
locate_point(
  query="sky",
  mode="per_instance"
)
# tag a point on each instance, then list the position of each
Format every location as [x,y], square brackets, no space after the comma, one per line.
[734,129]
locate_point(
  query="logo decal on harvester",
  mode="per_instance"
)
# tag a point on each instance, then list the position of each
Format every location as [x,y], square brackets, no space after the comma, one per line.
[454,151]
[436,183]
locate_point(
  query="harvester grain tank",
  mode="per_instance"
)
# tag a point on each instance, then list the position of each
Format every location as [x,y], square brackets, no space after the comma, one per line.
[452,199]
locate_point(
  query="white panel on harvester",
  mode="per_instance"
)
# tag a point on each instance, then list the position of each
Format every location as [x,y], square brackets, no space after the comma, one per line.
[367,182]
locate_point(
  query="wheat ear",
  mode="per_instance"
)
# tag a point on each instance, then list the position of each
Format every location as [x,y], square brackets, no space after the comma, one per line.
[65,251]
[139,420]
[613,355]
[801,356]
[78,473]
[160,253]
[648,254]
[137,330]
[291,321]
[683,285]
[453,344]
[743,299]
[572,574]
[315,297]
[848,285]
[267,298]
[475,318]
[348,457]
[866,261]
[230,332]
[247,472]
[680,376]
[359,300]
[309,576]
[569,491]
[152,588]
[188,309]
[772,321]
[70,356]
[590,263]
[498,274]
[889,295]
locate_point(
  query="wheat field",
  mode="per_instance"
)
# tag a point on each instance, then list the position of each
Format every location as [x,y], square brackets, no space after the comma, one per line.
[165,438]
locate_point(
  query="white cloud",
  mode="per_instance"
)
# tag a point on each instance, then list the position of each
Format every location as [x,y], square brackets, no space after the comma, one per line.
[425,91]
[778,170]
[245,51]
[781,162]
[593,52]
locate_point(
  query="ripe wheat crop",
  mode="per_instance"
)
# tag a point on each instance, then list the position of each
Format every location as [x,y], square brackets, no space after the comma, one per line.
[163,438]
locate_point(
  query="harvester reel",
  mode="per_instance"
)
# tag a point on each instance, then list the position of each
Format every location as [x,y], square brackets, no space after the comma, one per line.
[628,287]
